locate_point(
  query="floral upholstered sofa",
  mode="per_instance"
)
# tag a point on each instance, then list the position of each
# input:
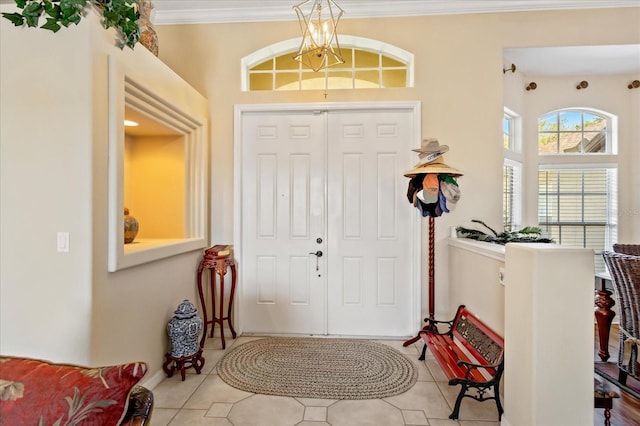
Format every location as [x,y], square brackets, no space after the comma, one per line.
[36,392]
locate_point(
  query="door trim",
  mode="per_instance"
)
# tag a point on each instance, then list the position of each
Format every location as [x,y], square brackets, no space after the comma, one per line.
[240,109]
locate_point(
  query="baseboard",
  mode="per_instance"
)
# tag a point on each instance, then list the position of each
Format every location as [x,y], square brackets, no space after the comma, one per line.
[504,421]
[152,381]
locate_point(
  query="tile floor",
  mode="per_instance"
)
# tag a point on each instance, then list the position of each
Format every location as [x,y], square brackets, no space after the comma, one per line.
[204,399]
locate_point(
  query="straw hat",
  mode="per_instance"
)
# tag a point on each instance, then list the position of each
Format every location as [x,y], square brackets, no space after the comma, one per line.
[435,166]
[431,148]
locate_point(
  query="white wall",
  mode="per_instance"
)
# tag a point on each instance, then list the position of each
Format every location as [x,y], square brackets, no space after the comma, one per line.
[548,376]
[474,280]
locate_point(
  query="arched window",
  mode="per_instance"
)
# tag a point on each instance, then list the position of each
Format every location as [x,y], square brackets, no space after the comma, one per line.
[574,131]
[368,64]
[577,199]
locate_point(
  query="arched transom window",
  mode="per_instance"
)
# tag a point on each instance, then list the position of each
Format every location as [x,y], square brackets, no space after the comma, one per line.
[368,64]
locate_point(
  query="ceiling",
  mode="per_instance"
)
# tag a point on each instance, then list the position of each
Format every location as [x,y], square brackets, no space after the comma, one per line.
[212,11]
[575,60]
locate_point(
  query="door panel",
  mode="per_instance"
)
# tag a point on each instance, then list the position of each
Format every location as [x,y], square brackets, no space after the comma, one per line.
[369,224]
[283,214]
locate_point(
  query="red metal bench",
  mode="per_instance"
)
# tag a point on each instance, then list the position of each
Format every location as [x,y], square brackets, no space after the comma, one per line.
[470,354]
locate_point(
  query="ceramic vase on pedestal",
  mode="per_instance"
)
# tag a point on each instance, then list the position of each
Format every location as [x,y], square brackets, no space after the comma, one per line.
[183,330]
[130,227]
[148,37]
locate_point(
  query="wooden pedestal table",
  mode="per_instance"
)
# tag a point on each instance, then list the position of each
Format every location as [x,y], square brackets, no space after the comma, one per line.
[217,266]
[603,398]
[172,364]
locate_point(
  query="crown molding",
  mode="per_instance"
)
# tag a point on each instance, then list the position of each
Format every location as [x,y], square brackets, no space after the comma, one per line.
[222,11]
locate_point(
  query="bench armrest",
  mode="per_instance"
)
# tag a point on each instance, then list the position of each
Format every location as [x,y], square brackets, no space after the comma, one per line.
[434,329]
[471,366]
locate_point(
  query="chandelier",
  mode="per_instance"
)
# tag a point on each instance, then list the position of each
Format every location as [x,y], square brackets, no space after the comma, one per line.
[318,23]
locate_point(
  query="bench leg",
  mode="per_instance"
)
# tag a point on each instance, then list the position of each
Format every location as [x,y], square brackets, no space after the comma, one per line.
[424,352]
[496,394]
[456,408]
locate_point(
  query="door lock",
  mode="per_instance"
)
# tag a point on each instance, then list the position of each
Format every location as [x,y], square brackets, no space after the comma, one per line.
[318,255]
[319,240]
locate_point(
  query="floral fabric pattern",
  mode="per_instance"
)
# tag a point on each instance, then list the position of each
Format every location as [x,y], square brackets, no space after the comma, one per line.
[35,392]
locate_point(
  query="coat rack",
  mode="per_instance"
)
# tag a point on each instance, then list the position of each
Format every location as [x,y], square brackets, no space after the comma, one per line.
[421,194]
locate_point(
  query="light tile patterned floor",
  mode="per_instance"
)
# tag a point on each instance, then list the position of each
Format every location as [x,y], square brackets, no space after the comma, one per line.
[204,399]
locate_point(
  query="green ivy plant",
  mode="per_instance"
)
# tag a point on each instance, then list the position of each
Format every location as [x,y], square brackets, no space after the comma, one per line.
[122,15]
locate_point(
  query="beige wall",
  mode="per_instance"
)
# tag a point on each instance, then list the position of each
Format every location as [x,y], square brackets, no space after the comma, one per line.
[54,171]
[54,158]
[458,79]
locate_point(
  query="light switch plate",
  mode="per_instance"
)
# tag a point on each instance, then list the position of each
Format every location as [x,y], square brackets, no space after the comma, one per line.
[62,242]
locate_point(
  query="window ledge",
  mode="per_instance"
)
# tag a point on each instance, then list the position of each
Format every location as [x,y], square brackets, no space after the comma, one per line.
[146,250]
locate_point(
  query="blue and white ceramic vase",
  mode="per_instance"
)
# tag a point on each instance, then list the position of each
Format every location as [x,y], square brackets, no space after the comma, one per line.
[184,329]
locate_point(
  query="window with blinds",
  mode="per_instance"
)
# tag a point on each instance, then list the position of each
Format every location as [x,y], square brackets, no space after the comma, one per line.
[577,199]
[578,207]
[511,195]
[511,173]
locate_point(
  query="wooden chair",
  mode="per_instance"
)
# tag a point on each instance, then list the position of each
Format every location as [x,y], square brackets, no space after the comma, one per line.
[633,249]
[625,276]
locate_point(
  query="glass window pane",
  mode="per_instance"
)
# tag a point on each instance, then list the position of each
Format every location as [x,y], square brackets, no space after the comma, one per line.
[570,120]
[594,142]
[507,132]
[570,142]
[287,81]
[313,81]
[570,181]
[394,78]
[286,62]
[366,59]
[553,231]
[594,122]
[548,122]
[548,210]
[570,207]
[595,208]
[261,81]
[347,55]
[547,143]
[367,79]
[340,80]
[572,236]
[390,62]
[264,66]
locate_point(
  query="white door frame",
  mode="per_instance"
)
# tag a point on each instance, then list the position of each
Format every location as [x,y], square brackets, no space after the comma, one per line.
[240,109]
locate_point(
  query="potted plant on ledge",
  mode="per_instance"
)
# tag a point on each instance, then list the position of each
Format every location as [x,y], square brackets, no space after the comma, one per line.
[123,15]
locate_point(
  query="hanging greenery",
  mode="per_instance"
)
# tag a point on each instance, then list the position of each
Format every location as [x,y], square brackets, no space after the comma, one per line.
[529,234]
[122,15]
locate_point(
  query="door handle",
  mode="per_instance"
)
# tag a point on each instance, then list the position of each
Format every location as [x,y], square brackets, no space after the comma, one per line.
[318,253]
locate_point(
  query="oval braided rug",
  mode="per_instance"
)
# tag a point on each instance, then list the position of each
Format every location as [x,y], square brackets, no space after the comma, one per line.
[325,368]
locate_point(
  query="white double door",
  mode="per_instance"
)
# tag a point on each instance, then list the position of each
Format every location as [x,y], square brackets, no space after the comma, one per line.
[327,232]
